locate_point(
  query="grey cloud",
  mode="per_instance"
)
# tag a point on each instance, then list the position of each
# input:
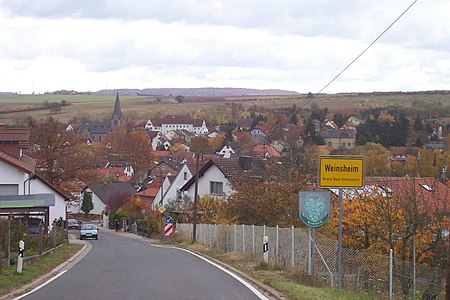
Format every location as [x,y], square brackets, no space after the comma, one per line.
[343,18]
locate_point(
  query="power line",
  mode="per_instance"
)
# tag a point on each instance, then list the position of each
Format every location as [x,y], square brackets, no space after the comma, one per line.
[342,71]
[348,66]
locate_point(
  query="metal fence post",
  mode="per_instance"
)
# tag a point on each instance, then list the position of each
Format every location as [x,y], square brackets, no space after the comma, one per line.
[8,240]
[40,243]
[391,270]
[310,245]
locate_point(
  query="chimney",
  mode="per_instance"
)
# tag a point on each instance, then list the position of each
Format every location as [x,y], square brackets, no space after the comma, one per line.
[245,162]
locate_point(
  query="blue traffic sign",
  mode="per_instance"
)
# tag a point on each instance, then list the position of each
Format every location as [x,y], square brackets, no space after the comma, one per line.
[169,220]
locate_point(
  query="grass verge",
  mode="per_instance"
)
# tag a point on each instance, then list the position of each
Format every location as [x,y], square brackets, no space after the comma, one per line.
[290,283]
[10,280]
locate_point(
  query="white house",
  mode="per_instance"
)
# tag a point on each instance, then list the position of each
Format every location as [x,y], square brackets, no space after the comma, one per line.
[177,122]
[103,193]
[172,191]
[19,181]
[59,210]
[214,177]
[166,182]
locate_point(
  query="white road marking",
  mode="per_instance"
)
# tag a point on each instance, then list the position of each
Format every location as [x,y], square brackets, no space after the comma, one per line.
[42,285]
[249,286]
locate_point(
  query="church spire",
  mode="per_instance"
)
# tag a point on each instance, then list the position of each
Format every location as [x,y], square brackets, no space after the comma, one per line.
[117,113]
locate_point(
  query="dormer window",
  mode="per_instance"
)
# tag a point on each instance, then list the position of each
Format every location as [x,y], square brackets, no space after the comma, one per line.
[427,187]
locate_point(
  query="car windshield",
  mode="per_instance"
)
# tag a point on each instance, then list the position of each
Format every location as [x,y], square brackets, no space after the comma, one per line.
[73,221]
[88,226]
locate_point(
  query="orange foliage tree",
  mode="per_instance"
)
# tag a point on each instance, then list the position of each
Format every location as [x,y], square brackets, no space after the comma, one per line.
[60,155]
[414,226]
[131,146]
[380,219]
[134,210]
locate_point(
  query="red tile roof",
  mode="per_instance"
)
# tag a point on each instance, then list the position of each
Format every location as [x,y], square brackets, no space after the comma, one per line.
[176,119]
[265,150]
[404,151]
[25,163]
[432,192]
[19,135]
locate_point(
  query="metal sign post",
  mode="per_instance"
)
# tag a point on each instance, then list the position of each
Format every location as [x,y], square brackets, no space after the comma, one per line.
[168,228]
[340,241]
[314,210]
[340,172]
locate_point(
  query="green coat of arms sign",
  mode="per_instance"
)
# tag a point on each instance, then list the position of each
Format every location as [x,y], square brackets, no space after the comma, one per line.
[314,207]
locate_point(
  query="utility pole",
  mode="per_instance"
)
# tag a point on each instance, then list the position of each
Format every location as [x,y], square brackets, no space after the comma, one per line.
[194,229]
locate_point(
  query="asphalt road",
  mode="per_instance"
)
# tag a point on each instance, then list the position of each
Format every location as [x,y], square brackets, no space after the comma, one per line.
[120,267]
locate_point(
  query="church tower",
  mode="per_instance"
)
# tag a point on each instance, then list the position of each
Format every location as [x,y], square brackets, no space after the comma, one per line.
[117,114]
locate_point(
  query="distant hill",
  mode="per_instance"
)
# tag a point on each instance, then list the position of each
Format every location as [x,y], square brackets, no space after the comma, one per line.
[201,92]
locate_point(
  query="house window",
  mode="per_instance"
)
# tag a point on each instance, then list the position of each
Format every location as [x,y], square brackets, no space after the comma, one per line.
[179,195]
[9,189]
[216,187]
[185,175]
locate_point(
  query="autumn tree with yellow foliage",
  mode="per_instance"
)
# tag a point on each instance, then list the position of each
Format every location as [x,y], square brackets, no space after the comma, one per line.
[132,146]
[379,219]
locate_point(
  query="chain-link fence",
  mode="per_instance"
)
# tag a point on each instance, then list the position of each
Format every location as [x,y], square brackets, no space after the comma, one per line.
[317,255]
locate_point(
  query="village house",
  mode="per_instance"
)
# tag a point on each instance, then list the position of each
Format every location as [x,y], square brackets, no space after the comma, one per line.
[215,176]
[22,191]
[103,193]
[177,122]
[339,139]
[400,153]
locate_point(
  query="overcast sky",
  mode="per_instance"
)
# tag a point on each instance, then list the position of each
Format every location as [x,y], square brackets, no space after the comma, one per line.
[298,45]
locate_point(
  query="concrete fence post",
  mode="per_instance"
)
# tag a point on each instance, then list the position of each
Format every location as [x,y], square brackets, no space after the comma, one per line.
[253,239]
[276,249]
[292,246]
[243,238]
[235,237]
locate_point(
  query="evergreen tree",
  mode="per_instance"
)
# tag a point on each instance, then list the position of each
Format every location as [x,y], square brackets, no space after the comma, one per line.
[86,204]
[339,120]
[294,119]
[418,125]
